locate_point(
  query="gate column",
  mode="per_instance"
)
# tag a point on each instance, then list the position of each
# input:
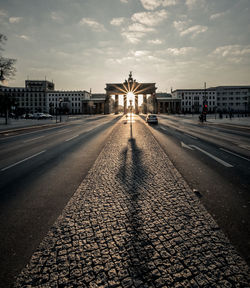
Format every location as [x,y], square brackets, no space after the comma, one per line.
[154,103]
[136,105]
[107,105]
[116,104]
[144,107]
[125,104]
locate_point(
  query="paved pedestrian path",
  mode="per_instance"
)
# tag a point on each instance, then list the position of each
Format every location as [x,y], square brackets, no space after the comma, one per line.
[134,222]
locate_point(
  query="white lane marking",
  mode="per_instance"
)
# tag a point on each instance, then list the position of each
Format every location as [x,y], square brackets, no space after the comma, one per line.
[23,134]
[32,156]
[190,136]
[33,139]
[163,128]
[234,154]
[62,132]
[71,138]
[213,157]
[186,146]
[244,146]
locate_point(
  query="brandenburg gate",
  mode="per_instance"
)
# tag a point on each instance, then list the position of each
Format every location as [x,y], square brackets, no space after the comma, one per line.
[130,88]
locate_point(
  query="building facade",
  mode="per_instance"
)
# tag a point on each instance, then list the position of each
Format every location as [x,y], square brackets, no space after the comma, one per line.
[233,98]
[167,103]
[70,102]
[221,98]
[41,96]
[31,98]
[192,99]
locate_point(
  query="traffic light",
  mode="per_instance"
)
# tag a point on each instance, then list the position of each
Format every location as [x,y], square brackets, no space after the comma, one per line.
[205,108]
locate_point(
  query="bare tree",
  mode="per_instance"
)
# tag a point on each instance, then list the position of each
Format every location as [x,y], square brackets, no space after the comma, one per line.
[7,68]
[7,71]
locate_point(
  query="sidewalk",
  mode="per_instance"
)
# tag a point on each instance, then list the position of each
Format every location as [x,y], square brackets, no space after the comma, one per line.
[134,222]
[214,119]
[21,124]
[17,124]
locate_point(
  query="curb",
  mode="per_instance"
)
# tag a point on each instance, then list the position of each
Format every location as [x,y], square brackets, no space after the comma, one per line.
[30,128]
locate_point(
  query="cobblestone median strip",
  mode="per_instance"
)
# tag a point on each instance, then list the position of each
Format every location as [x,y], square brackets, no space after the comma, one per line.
[134,222]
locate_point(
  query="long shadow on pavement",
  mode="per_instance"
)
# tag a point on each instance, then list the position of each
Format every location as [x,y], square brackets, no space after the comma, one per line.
[133,175]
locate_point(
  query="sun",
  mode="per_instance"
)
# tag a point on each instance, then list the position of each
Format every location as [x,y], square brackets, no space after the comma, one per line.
[130,96]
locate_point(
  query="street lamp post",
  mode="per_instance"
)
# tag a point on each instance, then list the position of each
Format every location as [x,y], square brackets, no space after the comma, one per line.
[56,110]
[60,103]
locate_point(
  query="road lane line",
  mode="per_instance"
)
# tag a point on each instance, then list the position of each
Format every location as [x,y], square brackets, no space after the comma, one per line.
[213,157]
[234,154]
[33,139]
[71,138]
[190,136]
[63,132]
[186,146]
[32,156]
[38,130]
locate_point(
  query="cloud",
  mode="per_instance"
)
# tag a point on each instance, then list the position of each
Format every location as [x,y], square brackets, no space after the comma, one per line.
[153,4]
[194,30]
[124,1]
[150,18]
[3,13]
[24,37]
[218,15]
[138,27]
[194,3]
[140,53]
[181,25]
[233,53]
[94,25]
[133,37]
[56,17]
[232,50]
[15,19]
[181,51]
[155,42]
[117,21]
[166,3]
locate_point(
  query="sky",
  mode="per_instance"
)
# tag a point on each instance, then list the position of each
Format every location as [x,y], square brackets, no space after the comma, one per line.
[83,44]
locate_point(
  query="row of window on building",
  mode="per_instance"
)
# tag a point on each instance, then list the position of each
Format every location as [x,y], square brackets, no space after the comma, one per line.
[41,95]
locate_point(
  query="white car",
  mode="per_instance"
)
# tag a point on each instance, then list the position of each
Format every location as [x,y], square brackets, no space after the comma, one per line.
[152,118]
[39,116]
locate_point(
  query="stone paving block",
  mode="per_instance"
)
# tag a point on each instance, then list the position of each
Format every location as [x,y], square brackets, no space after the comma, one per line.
[134,222]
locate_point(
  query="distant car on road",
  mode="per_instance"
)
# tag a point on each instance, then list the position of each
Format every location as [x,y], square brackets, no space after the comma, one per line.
[27,116]
[48,116]
[152,119]
[42,116]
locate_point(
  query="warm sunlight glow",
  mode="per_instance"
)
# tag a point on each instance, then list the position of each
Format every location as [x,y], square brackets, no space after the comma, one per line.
[131,96]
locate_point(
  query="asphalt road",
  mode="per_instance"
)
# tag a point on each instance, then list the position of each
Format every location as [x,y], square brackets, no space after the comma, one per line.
[41,169]
[39,172]
[215,161]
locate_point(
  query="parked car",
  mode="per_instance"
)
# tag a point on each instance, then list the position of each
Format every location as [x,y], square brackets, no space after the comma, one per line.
[48,116]
[39,116]
[27,116]
[152,118]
